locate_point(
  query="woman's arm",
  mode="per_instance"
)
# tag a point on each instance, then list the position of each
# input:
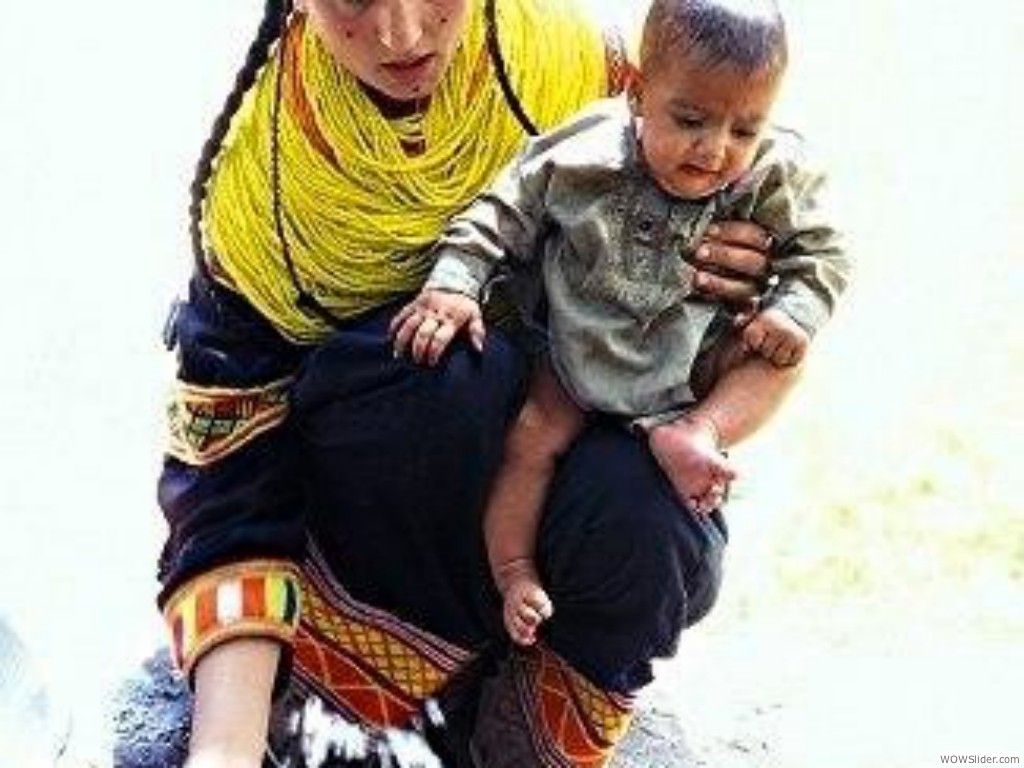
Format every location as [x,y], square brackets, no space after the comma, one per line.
[236,530]
[231,709]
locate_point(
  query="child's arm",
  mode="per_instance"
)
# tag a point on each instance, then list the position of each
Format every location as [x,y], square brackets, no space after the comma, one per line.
[808,260]
[501,225]
[748,389]
[427,324]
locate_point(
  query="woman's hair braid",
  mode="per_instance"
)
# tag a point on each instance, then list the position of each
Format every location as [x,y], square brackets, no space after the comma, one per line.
[275,14]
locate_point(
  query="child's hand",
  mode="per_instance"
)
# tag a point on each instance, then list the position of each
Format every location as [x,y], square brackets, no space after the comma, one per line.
[430,322]
[776,337]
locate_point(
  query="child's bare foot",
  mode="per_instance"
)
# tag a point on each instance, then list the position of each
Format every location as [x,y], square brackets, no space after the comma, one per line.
[687,452]
[527,605]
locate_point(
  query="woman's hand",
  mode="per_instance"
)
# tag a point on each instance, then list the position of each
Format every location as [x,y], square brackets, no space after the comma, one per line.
[732,264]
[430,321]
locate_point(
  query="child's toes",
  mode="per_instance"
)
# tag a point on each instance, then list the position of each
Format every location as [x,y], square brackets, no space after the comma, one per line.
[521,632]
[540,603]
[529,616]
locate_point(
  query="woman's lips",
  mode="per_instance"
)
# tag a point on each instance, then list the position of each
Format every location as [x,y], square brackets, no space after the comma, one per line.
[410,70]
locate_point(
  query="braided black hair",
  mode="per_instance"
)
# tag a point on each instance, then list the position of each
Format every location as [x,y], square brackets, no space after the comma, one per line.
[275,15]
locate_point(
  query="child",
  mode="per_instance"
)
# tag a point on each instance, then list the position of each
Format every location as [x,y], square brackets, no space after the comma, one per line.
[612,205]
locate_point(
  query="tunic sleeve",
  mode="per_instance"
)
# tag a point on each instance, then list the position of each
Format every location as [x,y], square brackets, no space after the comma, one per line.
[809,259]
[503,225]
[227,490]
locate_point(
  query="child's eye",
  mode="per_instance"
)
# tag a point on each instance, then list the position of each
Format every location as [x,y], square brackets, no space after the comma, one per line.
[745,134]
[688,122]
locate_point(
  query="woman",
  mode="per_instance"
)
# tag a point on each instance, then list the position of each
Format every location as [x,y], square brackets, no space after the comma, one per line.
[323,497]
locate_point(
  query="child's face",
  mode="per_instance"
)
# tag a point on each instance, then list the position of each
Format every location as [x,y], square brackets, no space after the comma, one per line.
[701,124]
[399,47]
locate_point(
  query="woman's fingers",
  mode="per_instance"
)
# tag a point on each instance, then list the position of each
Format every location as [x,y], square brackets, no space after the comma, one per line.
[732,291]
[745,234]
[742,260]
[732,261]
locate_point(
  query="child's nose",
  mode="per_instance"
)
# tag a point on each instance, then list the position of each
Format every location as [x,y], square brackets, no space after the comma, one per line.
[711,149]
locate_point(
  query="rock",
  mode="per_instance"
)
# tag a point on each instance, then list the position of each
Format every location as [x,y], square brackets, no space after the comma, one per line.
[655,740]
[151,717]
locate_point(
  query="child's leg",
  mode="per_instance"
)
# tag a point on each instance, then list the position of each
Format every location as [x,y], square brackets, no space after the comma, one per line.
[745,390]
[544,430]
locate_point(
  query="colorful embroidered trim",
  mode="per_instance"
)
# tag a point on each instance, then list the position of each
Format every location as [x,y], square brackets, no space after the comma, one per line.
[364,662]
[573,723]
[208,423]
[251,599]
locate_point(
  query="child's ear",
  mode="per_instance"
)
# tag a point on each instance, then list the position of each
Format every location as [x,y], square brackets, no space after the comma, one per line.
[635,91]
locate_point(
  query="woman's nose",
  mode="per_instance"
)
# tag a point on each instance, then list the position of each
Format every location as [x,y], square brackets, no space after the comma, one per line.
[400,26]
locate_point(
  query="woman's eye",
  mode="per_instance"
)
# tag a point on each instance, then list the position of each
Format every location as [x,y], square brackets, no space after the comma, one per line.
[352,7]
[744,134]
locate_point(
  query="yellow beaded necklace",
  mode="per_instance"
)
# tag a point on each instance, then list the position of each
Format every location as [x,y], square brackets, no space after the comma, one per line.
[358,210]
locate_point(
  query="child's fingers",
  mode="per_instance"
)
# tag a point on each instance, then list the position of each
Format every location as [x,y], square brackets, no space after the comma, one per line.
[445,332]
[403,314]
[477,332]
[754,336]
[424,335]
[403,336]
[787,354]
[799,350]
[770,348]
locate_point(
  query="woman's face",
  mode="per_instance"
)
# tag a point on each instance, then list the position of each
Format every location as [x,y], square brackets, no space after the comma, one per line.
[398,47]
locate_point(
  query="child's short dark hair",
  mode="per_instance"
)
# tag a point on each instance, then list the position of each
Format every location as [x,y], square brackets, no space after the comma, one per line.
[749,34]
